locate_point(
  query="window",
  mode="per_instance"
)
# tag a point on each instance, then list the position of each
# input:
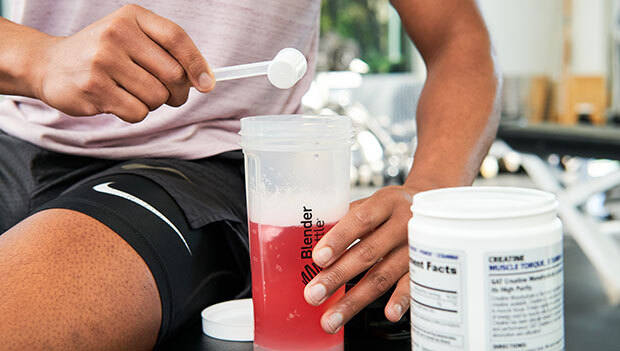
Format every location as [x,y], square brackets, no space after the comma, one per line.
[369,30]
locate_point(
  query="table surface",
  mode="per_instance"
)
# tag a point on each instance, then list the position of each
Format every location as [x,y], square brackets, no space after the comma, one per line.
[590,323]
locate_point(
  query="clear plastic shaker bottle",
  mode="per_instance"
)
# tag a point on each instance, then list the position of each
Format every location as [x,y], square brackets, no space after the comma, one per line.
[297,182]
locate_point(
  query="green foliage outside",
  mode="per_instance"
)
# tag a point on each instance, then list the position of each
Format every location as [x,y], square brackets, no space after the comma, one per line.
[365,23]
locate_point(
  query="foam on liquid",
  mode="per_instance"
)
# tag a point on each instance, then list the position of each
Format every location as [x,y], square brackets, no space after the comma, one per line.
[286,208]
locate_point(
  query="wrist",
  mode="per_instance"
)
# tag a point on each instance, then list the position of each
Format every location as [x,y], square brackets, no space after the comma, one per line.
[418,182]
[23,54]
[414,186]
[434,170]
[30,71]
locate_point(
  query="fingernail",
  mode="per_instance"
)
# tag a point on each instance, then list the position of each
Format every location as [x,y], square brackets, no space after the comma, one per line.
[322,256]
[205,81]
[397,309]
[334,321]
[317,293]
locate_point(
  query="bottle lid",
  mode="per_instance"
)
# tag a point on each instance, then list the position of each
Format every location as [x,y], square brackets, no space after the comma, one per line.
[483,202]
[296,132]
[231,320]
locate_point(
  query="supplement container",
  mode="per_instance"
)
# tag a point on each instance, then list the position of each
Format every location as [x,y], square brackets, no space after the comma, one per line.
[486,270]
[297,183]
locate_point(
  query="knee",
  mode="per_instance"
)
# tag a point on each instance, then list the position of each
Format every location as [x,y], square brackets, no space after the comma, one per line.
[78,282]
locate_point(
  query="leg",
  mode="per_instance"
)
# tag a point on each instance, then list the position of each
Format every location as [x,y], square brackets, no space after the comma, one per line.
[68,282]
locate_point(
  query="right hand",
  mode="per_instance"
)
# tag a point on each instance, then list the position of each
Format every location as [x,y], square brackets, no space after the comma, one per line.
[127,64]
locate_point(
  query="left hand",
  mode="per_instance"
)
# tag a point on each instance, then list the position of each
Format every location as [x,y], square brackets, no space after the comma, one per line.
[380,222]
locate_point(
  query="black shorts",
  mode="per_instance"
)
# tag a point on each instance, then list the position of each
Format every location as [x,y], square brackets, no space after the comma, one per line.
[186,219]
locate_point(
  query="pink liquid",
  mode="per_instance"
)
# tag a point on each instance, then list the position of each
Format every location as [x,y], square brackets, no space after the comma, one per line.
[283,320]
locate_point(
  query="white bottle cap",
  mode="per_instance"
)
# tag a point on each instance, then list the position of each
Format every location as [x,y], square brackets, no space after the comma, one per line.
[287,68]
[231,320]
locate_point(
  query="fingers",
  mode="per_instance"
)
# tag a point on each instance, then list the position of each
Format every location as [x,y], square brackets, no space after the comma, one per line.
[361,219]
[381,223]
[175,40]
[356,260]
[157,61]
[124,105]
[132,55]
[399,302]
[141,84]
[356,203]
[374,284]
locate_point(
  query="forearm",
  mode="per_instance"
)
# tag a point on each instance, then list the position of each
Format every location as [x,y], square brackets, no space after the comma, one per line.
[457,120]
[457,115]
[20,48]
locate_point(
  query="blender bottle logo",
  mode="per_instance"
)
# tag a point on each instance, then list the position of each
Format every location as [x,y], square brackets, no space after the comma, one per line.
[313,232]
[309,272]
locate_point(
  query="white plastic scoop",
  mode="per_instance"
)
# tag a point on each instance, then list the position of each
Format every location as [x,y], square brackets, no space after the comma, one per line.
[283,71]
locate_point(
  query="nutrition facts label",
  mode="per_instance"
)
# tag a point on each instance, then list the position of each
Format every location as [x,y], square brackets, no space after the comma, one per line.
[436,279]
[525,299]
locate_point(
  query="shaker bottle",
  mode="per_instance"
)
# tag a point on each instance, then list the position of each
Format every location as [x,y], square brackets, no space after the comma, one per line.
[297,183]
[486,269]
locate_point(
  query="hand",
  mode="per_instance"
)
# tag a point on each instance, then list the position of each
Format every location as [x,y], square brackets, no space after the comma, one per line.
[380,222]
[127,63]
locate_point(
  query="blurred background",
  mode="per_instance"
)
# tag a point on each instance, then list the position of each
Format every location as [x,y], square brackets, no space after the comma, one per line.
[559,130]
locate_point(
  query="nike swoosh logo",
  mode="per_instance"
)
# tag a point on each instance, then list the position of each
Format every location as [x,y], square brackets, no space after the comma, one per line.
[168,169]
[105,188]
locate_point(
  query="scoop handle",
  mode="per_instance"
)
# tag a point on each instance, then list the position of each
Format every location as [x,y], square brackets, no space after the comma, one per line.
[241,71]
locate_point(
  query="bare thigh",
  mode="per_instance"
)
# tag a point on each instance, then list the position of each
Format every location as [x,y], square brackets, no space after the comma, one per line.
[68,282]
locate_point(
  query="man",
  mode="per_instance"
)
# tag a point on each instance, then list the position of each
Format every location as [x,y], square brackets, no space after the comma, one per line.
[116,233]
